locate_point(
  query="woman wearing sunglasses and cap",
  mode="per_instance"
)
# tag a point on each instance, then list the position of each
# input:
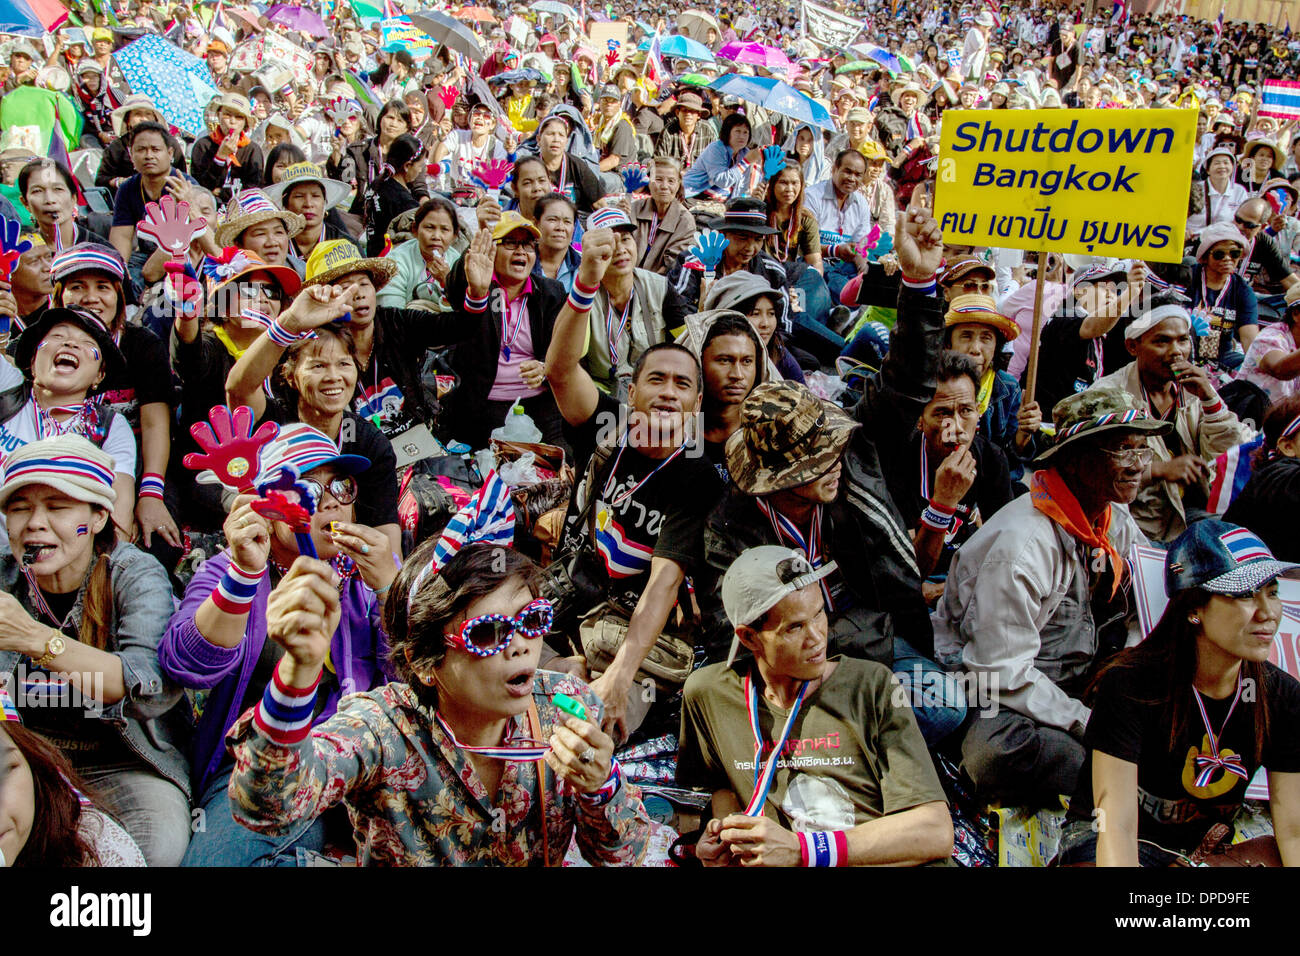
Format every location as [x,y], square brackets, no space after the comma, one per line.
[1181,722]
[468,759]
[217,641]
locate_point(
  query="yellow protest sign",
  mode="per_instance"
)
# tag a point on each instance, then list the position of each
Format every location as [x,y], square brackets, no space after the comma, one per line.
[1099,182]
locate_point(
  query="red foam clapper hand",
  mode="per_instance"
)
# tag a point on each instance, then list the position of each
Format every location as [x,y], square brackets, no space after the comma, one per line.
[493,173]
[230,446]
[169,224]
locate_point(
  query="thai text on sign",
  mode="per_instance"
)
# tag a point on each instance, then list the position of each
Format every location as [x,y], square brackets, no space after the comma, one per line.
[1099,182]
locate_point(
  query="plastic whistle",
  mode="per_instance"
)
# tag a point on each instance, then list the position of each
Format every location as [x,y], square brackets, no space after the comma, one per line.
[571,706]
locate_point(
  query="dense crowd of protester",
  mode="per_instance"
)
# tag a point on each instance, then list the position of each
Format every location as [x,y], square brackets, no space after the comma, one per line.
[525,452]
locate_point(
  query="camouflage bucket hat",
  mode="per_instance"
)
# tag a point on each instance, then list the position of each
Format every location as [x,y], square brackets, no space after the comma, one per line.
[1095,411]
[787,437]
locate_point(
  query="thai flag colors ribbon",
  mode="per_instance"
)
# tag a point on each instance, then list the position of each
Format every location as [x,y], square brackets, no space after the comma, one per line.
[284,713]
[1244,545]
[530,751]
[1206,764]
[763,775]
[811,546]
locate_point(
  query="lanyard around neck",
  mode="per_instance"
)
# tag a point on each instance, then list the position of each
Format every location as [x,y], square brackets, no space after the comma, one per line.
[764,774]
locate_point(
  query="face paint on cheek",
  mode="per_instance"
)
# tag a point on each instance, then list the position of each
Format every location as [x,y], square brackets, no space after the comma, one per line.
[95,352]
[82,529]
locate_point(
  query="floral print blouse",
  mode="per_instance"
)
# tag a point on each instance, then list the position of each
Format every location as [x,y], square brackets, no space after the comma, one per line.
[413,797]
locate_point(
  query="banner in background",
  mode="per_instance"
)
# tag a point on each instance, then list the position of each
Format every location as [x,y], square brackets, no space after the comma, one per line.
[826,26]
[415,42]
[1095,182]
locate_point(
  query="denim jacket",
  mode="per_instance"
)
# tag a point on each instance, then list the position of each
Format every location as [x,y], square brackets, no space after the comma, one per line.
[1000,422]
[152,719]
[358,650]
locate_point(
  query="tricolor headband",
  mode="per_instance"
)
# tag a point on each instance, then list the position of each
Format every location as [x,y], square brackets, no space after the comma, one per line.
[72,466]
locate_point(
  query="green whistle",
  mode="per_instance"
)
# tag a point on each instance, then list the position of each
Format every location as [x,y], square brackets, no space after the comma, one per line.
[571,706]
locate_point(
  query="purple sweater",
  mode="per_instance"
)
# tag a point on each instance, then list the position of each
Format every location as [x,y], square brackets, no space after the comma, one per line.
[358,652]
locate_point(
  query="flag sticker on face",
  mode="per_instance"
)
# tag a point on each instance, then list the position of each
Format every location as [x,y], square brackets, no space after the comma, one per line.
[1244,546]
[82,530]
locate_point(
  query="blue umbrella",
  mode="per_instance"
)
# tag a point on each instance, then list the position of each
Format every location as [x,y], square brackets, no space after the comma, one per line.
[685,48]
[18,17]
[179,84]
[770,93]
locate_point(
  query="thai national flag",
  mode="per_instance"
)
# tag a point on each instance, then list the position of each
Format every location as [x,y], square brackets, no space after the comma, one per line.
[1218,24]
[623,558]
[654,62]
[1243,544]
[997,15]
[489,517]
[1231,472]
[1281,99]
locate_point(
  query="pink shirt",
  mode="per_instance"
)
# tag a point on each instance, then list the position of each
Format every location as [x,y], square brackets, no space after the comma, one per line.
[518,336]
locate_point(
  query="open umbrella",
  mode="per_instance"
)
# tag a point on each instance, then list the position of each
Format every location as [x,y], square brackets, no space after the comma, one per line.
[448,31]
[696,24]
[248,16]
[770,93]
[31,18]
[179,84]
[684,48]
[556,8]
[858,66]
[516,76]
[298,18]
[757,54]
[694,79]
[481,14]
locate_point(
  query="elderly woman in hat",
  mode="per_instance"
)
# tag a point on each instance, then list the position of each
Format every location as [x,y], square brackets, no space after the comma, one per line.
[217,640]
[227,160]
[1185,718]
[60,363]
[471,729]
[252,222]
[1222,299]
[115,166]
[81,615]
[90,277]
[305,191]
[1216,198]
[1261,160]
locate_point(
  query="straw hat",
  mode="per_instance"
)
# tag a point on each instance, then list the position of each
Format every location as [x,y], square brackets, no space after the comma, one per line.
[247,209]
[298,173]
[980,310]
[336,258]
[133,104]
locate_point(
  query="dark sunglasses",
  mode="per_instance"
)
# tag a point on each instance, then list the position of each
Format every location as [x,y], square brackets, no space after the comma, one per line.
[1221,254]
[491,633]
[1246,223]
[342,488]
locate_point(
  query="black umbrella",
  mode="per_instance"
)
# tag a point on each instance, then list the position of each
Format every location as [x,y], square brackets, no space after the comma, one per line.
[449,32]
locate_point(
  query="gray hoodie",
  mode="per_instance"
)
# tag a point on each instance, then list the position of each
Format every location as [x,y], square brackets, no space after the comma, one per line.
[697,328]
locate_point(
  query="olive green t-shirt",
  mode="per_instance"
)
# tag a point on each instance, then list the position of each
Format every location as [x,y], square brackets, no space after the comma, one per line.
[852,755]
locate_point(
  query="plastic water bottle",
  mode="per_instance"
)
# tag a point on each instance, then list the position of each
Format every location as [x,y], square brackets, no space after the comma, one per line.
[518,426]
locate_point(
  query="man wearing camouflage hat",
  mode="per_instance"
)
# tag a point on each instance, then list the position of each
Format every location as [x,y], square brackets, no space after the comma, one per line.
[1040,595]
[807,474]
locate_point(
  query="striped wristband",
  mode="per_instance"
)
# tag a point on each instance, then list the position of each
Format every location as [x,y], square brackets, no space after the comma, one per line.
[938,517]
[1208,409]
[926,286]
[607,790]
[823,848]
[151,486]
[475,305]
[581,297]
[283,714]
[234,592]
[280,335]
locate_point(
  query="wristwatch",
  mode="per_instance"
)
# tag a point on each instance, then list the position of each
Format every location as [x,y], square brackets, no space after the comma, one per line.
[53,648]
